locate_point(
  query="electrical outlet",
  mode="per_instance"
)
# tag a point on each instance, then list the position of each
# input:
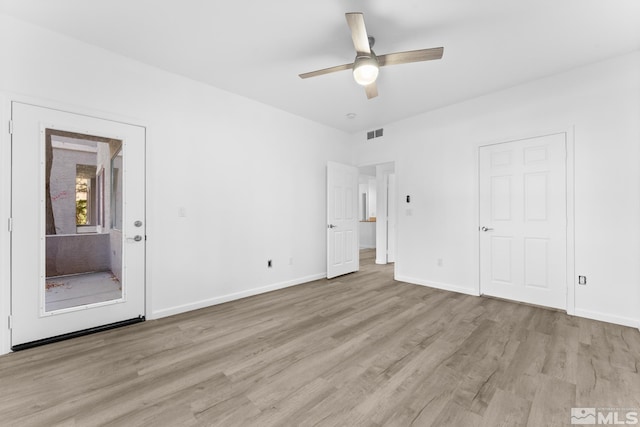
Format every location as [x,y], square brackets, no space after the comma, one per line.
[269,263]
[582,280]
[439,262]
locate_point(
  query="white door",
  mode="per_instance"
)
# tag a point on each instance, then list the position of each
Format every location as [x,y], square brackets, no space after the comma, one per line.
[523,219]
[78,223]
[342,220]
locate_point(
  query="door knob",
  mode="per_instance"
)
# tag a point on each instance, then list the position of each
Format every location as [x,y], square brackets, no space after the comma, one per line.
[136,238]
[486,229]
[331,226]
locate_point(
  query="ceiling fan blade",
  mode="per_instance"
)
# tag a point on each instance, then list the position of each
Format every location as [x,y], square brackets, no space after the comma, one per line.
[358,32]
[326,71]
[371,90]
[410,56]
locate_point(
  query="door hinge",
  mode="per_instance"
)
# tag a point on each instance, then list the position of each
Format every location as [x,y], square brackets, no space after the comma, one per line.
[10,127]
[10,323]
[10,225]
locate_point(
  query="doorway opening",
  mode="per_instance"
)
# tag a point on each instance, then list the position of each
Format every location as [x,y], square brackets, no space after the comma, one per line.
[377,210]
[83,211]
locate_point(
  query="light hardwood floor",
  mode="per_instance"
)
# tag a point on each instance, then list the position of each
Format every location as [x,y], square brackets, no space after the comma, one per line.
[357,350]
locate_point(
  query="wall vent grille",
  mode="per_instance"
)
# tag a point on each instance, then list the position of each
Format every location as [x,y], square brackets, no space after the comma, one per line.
[375,133]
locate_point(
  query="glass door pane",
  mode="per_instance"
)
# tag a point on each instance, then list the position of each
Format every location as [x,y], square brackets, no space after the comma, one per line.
[83,250]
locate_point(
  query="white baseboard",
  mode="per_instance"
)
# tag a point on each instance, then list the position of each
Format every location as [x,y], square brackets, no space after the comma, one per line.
[170,311]
[604,317]
[443,286]
[594,315]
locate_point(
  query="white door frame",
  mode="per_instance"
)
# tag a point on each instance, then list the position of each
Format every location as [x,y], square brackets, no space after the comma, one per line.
[6,98]
[382,220]
[569,132]
[392,216]
[5,213]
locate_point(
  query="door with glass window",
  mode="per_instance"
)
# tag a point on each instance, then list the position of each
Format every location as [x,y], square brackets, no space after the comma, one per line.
[78,224]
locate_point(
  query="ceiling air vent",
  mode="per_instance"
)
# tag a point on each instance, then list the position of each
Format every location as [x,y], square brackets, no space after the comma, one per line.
[375,133]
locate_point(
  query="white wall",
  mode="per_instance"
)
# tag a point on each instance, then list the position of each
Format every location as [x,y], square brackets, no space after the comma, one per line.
[206,150]
[372,198]
[436,164]
[367,236]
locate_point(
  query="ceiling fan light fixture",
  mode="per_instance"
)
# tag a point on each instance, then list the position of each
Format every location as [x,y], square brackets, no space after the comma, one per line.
[365,70]
[366,65]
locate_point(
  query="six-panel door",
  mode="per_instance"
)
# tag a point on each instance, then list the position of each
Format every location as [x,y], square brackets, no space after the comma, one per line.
[523,220]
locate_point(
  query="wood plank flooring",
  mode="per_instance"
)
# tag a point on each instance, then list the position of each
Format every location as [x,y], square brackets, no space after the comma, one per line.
[358,350]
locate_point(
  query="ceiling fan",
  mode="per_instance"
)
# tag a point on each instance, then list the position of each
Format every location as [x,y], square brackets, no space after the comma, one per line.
[367,63]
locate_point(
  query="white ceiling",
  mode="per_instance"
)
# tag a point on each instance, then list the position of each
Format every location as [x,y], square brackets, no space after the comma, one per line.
[258,48]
